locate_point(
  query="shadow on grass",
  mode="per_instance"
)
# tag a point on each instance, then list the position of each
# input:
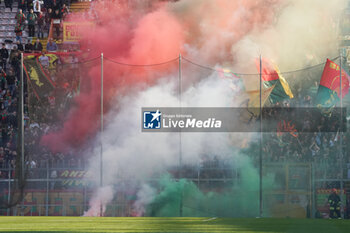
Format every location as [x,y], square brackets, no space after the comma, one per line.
[284,225]
[207,225]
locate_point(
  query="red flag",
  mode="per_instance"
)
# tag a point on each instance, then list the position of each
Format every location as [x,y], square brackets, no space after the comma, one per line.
[330,78]
[268,72]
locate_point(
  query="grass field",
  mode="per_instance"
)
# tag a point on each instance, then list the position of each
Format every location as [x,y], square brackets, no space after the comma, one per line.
[87,224]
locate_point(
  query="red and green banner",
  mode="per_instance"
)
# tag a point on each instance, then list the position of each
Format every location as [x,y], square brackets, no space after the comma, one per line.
[272,77]
[38,80]
[328,93]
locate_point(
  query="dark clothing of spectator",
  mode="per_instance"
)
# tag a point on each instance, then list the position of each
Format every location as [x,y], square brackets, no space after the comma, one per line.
[38,47]
[13,107]
[31,17]
[4,55]
[31,30]
[334,205]
[29,4]
[11,83]
[28,48]
[11,80]
[8,4]
[15,58]
[22,4]
[56,18]
[47,20]
[2,80]
[56,15]
[55,4]
[12,120]
[20,47]
[41,24]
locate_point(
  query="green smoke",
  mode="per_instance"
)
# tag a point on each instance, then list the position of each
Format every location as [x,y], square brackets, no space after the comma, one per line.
[239,199]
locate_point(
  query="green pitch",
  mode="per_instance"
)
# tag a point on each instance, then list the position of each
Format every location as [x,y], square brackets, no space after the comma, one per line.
[87,224]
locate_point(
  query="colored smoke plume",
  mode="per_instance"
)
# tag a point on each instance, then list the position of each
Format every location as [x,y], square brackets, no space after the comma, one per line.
[231,33]
[128,34]
[223,33]
[99,201]
[156,37]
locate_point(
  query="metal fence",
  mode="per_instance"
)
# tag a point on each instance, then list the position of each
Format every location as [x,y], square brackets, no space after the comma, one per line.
[295,192]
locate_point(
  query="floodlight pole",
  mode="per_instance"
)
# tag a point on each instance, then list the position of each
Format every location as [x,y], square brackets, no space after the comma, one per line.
[101,135]
[341,138]
[180,140]
[260,150]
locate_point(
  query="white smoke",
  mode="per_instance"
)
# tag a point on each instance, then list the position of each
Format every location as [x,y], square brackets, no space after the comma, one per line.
[129,153]
[145,196]
[99,201]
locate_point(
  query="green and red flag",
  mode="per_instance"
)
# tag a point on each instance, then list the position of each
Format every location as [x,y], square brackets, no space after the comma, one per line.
[271,76]
[328,93]
[236,82]
[226,73]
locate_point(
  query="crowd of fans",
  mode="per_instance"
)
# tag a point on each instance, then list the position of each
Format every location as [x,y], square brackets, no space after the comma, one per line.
[36,16]
[9,76]
[311,137]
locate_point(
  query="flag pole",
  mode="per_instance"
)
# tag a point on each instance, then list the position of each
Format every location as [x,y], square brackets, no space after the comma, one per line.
[260,151]
[101,152]
[180,139]
[22,119]
[341,138]
[22,130]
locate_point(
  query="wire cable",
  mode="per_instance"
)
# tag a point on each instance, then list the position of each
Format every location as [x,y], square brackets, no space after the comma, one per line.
[140,65]
[246,74]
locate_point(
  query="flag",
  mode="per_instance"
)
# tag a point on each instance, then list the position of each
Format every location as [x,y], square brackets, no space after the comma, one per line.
[226,73]
[329,89]
[236,82]
[253,103]
[37,79]
[271,76]
[286,127]
[53,59]
[254,97]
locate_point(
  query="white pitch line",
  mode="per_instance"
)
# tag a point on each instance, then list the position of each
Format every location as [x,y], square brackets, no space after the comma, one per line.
[209,219]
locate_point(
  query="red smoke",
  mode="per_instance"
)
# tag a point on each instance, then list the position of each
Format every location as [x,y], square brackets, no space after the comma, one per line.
[135,39]
[153,33]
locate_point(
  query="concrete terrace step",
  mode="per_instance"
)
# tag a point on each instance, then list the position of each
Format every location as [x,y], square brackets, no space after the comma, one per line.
[8,22]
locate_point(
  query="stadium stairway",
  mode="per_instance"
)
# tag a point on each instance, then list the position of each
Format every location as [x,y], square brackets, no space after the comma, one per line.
[80,6]
[8,22]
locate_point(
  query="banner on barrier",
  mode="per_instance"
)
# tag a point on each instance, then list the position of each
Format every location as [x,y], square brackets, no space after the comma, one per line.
[72,31]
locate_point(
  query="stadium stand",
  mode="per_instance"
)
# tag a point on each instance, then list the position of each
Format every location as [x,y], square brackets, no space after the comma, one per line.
[211,174]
